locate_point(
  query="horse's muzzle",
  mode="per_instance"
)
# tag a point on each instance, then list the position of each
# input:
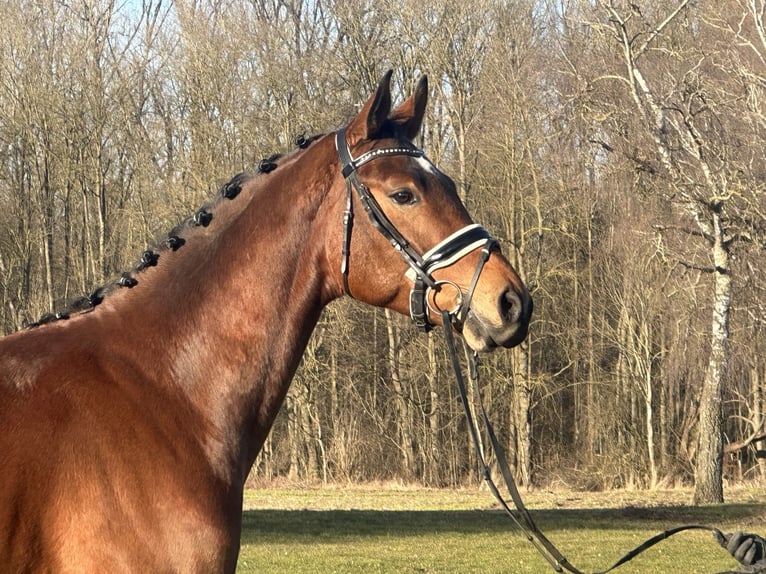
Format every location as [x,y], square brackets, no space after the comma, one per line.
[507,329]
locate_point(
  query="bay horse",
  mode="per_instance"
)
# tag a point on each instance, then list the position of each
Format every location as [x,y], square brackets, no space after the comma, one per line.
[128,425]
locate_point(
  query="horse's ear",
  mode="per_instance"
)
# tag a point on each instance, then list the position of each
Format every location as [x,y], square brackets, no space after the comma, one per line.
[368,122]
[410,114]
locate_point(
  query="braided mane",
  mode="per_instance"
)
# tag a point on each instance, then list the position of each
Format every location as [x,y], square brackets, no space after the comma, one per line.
[172,242]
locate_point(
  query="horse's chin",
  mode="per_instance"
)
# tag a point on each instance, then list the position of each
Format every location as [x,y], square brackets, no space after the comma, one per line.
[483,339]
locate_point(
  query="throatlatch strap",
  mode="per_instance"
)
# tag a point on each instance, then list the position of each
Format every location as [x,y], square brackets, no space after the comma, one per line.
[348,227]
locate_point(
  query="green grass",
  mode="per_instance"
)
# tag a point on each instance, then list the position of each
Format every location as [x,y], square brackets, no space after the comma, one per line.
[389,530]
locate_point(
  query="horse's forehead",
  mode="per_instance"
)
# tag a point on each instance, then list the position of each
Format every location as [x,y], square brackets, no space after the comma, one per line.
[427,165]
[422,165]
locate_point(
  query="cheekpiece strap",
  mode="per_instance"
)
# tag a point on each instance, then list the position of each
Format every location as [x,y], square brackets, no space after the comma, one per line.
[376,214]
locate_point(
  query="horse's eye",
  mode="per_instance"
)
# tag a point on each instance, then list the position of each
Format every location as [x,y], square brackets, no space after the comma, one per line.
[403,197]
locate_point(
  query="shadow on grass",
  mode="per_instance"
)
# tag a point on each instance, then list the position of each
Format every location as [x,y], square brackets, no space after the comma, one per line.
[312,526]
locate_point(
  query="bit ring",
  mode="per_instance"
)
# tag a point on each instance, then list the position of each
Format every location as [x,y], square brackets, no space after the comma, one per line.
[434,308]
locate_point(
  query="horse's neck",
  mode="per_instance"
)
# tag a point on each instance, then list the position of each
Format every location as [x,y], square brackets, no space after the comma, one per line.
[227,317]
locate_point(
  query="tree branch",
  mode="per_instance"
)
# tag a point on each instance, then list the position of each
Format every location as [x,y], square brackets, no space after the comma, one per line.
[653,34]
[694,267]
[741,445]
[693,232]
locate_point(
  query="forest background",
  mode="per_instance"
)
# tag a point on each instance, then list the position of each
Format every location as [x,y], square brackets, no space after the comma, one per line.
[615,148]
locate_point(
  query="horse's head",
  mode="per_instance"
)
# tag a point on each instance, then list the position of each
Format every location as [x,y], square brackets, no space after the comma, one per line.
[418,252]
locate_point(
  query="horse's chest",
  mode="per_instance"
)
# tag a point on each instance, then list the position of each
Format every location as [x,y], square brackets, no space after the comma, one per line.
[146,540]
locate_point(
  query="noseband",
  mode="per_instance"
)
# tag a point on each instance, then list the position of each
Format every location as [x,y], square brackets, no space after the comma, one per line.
[445,253]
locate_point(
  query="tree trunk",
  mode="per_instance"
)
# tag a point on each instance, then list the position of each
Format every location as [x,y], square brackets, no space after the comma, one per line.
[293,432]
[522,419]
[48,235]
[646,342]
[590,385]
[404,418]
[708,486]
[433,469]
[664,422]
[758,402]
[309,432]
[8,300]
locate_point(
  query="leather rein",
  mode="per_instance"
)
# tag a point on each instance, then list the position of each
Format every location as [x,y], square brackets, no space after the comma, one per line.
[522,517]
[445,253]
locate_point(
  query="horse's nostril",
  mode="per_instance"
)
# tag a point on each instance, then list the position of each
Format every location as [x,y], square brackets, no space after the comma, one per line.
[510,305]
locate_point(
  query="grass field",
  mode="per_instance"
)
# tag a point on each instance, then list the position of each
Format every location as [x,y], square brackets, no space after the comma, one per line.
[391,529]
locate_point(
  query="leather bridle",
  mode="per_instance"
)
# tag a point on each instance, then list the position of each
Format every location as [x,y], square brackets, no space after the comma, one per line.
[445,253]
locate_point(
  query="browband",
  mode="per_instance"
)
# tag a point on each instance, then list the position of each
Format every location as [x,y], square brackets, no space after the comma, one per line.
[352,164]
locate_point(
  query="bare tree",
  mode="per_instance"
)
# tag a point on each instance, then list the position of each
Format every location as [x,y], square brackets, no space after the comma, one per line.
[691,149]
